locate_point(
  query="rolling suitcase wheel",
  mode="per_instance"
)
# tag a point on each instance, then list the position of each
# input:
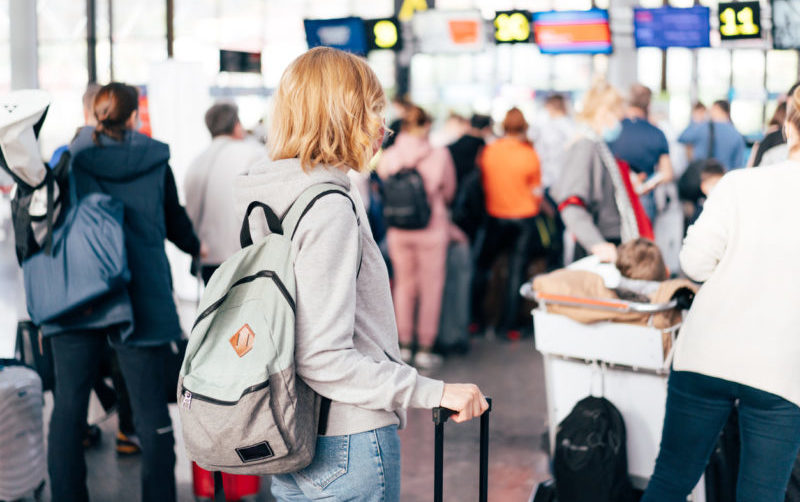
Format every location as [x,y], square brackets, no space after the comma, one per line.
[440,416]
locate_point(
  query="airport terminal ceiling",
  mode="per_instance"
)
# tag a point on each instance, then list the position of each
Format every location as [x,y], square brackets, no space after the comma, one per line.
[131,40]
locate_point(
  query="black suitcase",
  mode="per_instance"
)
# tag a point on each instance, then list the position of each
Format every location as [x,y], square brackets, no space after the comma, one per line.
[440,416]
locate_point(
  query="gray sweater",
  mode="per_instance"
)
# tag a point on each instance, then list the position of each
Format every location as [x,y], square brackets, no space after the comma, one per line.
[346,339]
[584,176]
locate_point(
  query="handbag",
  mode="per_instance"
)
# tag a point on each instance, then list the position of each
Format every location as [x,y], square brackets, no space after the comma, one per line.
[88,259]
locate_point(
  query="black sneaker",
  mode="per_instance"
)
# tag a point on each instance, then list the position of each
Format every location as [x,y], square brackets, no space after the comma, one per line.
[92,437]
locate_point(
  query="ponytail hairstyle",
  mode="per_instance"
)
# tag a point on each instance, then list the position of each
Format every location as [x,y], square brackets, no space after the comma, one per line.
[113,106]
[793,116]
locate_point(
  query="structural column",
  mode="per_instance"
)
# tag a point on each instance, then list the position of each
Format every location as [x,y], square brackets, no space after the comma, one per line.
[24,44]
[622,65]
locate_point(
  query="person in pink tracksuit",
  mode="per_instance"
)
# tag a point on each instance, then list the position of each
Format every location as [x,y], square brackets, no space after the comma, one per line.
[418,256]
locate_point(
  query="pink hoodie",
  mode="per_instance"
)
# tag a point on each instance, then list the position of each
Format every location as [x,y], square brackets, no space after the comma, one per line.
[435,165]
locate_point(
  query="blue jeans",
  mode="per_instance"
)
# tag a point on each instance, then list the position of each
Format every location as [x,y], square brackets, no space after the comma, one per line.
[363,467]
[697,408]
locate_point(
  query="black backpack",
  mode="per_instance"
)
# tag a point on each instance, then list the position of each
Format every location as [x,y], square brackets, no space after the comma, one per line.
[591,461]
[405,202]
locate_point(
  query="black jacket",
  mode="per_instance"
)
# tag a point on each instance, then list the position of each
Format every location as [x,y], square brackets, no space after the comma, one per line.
[136,172]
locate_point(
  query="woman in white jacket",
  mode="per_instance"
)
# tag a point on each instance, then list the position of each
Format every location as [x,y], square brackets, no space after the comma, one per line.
[741,339]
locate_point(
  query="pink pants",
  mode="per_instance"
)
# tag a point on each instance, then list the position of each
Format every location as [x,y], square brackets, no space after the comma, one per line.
[419,274]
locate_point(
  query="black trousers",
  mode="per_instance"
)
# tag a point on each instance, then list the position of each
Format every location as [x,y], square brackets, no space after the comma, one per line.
[76,356]
[518,236]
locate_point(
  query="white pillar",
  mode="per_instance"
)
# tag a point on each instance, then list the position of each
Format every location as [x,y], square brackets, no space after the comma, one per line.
[24,55]
[622,65]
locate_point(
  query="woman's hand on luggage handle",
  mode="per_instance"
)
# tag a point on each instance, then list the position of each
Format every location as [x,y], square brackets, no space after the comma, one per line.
[464,398]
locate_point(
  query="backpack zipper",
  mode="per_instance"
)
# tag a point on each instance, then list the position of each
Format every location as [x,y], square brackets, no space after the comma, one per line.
[188,396]
[250,278]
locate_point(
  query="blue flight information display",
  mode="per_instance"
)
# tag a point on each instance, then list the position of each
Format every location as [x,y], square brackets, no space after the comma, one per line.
[347,34]
[672,27]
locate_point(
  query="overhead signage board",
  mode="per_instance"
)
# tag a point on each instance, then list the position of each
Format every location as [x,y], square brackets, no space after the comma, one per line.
[239,61]
[347,34]
[739,20]
[512,27]
[786,24]
[573,32]
[384,34]
[411,7]
[446,31]
[672,27]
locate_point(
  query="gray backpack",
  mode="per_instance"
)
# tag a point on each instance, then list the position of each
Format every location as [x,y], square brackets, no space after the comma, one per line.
[243,409]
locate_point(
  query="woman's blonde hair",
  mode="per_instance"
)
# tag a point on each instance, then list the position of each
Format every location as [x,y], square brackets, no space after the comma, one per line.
[793,112]
[327,111]
[601,97]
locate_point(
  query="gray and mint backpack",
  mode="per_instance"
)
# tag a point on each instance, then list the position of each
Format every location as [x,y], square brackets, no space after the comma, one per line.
[242,407]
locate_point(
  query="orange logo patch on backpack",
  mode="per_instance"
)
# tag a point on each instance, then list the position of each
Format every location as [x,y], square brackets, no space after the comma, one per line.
[242,341]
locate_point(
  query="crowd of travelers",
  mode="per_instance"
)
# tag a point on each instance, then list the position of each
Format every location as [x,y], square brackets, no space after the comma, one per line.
[442,238]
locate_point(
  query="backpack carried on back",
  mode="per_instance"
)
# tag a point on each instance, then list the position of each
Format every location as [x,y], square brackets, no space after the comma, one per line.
[405,202]
[242,406]
[591,460]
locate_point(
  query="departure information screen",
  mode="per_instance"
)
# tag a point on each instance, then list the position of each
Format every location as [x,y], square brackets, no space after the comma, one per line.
[572,32]
[672,27]
[786,24]
[347,34]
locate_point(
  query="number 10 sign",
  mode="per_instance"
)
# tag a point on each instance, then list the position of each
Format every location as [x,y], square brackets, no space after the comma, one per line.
[739,20]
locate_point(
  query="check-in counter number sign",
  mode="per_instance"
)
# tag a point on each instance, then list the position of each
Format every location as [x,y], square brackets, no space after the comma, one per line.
[739,23]
[512,27]
[385,34]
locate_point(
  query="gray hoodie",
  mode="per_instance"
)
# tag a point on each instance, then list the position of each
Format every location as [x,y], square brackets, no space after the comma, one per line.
[346,338]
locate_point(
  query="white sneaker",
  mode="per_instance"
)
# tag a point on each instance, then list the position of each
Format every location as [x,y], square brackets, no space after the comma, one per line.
[406,355]
[428,360]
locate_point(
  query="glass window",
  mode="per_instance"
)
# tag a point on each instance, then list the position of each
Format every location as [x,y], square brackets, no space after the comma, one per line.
[748,93]
[648,67]
[748,69]
[140,38]
[62,52]
[781,71]
[5,48]
[713,74]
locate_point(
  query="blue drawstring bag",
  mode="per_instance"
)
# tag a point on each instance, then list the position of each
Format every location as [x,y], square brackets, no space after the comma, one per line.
[87,261]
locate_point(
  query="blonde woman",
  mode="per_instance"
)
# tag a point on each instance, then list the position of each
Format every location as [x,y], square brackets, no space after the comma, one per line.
[328,120]
[594,193]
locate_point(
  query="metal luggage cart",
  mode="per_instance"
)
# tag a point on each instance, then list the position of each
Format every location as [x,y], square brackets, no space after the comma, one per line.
[626,363]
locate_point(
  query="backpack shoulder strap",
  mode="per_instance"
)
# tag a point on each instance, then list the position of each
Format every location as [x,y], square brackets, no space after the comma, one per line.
[303,204]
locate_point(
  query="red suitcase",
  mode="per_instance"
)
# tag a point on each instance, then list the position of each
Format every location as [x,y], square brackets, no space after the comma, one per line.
[237,486]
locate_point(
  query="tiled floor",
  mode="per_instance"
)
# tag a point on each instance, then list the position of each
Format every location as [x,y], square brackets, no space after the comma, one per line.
[509,372]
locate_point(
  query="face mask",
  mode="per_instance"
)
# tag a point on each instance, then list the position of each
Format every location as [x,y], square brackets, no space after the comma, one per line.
[612,133]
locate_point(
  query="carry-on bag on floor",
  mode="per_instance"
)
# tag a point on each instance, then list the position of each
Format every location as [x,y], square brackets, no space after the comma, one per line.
[440,416]
[238,487]
[22,457]
[591,461]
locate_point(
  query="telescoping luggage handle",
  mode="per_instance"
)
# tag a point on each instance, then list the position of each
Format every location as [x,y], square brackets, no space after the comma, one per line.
[440,416]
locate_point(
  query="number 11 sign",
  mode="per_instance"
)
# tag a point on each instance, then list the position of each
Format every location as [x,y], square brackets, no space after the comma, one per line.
[739,20]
